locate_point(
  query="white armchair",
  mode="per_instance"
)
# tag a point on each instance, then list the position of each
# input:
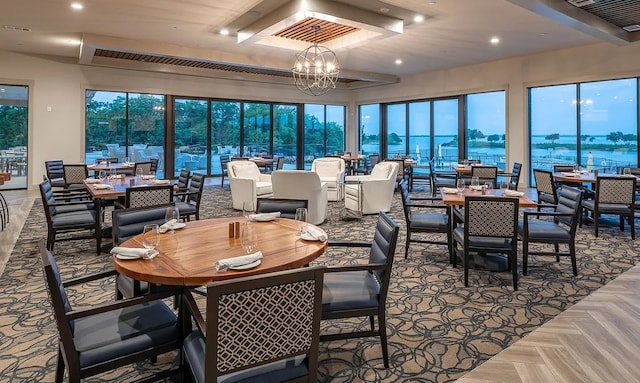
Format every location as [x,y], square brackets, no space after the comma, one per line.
[331,172]
[374,192]
[301,184]
[247,183]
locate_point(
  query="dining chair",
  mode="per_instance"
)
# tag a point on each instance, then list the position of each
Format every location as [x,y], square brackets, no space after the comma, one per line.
[615,196]
[286,207]
[425,215]
[147,195]
[74,175]
[485,174]
[514,177]
[356,291]
[154,165]
[182,183]
[546,187]
[490,227]
[557,227]
[279,163]
[55,173]
[224,160]
[404,172]
[100,338]
[439,180]
[568,169]
[144,167]
[190,204]
[261,328]
[71,213]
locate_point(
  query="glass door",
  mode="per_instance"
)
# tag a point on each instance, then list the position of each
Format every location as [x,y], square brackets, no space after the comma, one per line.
[14,101]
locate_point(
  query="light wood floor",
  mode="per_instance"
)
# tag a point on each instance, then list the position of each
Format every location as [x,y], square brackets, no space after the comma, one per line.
[596,340]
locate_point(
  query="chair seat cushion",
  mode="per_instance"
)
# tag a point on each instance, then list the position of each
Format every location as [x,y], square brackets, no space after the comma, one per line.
[607,208]
[61,209]
[332,182]
[186,208]
[280,371]
[545,231]
[263,188]
[57,182]
[429,221]
[125,285]
[351,290]
[478,242]
[74,219]
[542,197]
[118,333]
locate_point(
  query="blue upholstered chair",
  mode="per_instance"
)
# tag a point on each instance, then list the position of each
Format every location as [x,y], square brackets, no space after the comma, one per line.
[190,205]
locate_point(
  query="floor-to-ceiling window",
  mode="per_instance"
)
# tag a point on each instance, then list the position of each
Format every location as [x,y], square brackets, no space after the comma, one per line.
[14,112]
[225,132]
[285,133]
[486,128]
[396,123]
[145,129]
[420,131]
[445,132]
[257,129]
[323,131]
[369,126]
[593,124]
[190,135]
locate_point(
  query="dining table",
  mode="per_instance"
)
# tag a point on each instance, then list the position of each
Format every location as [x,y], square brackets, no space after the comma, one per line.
[464,169]
[262,162]
[111,166]
[351,163]
[457,199]
[586,177]
[188,257]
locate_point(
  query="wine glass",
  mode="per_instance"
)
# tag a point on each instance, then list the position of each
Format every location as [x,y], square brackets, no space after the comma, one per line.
[460,184]
[301,217]
[504,186]
[475,182]
[247,209]
[150,238]
[626,172]
[249,238]
[102,175]
[172,213]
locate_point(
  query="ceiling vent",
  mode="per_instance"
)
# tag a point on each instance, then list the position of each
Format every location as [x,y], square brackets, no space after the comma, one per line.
[16,28]
[632,28]
[580,3]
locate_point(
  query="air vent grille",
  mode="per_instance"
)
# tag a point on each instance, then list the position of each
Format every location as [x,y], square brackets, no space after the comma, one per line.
[17,28]
[580,3]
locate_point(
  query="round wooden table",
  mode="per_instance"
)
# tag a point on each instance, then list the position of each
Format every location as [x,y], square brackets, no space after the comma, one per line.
[188,257]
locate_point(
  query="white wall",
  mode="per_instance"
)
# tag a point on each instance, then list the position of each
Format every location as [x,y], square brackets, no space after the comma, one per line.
[60,83]
[515,75]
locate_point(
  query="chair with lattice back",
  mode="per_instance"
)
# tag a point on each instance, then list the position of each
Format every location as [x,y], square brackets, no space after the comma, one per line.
[153,195]
[615,196]
[263,328]
[74,175]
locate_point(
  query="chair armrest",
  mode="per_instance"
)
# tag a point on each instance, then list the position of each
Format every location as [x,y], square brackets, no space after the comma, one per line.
[527,214]
[89,278]
[66,193]
[54,204]
[348,243]
[105,307]
[422,206]
[362,267]
[193,309]
[438,199]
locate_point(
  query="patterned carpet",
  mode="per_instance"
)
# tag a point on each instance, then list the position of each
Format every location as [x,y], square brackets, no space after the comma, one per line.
[438,329]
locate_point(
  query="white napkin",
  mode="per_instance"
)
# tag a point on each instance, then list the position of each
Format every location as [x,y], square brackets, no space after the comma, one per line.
[462,165]
[479,187]
[447,190]
[569,174]
[224,264]
[129,163]
[103,162]
[513,193]
[148,176]
[167,226]
[93,181]
[102,186]
[133,252]
[264,217]
[316,233]
[161,182]
[116,176]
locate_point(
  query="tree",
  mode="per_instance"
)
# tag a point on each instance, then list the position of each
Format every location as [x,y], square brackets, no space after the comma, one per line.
[629,138]
[615,137]
[475,134]
[552,137]
[394,139]
[494,138]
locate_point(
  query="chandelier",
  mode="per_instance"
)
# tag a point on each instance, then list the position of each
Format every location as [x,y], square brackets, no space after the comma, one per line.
[316,69]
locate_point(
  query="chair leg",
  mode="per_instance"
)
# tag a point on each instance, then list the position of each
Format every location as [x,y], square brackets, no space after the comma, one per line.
[632,225]
[557,248]
[513,258]
[382,324]
[372,323]
[406,245]
[596,218]
[525,256]
[59,367]
[572,254]
[465,261]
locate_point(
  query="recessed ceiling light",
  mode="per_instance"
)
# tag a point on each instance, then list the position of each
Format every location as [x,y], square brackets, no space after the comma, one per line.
[495,40]
[418,18]
[224,32]
[384,10]
[398,61]
[77,6]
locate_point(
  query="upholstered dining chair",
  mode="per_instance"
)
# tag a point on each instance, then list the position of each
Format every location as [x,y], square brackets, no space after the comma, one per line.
[559,230]
[55,173]
[440,180]
[485,174]
[148,195]
[100,338]
[144,167]
[331,171]
[615,196]
[74,175]
[262,328]
[490,227]
[71,213]
[190,204]
[356,291]
[182,183]
[545,187]
[302,184]
[247,183]
[224,160]
[514,177]
[286,207]
[426,215]
[372,193]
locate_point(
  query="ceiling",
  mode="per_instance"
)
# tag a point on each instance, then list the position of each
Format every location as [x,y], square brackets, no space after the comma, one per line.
[368,36]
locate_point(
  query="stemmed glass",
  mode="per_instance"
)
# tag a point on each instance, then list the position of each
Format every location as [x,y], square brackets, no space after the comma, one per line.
[504,186]
[150,238]
[301,217]
[475,182]
[247,210]
[102,175]
[460,184]
[626,172]
[172,213]
[249,238]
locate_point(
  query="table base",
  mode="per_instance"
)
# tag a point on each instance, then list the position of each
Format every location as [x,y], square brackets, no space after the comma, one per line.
[347,214]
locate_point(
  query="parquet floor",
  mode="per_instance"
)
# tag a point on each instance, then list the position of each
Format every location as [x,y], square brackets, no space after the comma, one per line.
[596,340]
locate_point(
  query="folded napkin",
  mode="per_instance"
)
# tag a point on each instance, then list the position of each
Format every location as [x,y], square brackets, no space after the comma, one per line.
[93,181]
[224,264]
[447,190]
[161,182]
[264,217]
[513,193]
[129,163]
[116,176]
[316,234]
[479,187]
[569,174]
[462,165]
[257,158]
[148,176]
[133,252]
[101,186]
[103,162]
[167,226]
